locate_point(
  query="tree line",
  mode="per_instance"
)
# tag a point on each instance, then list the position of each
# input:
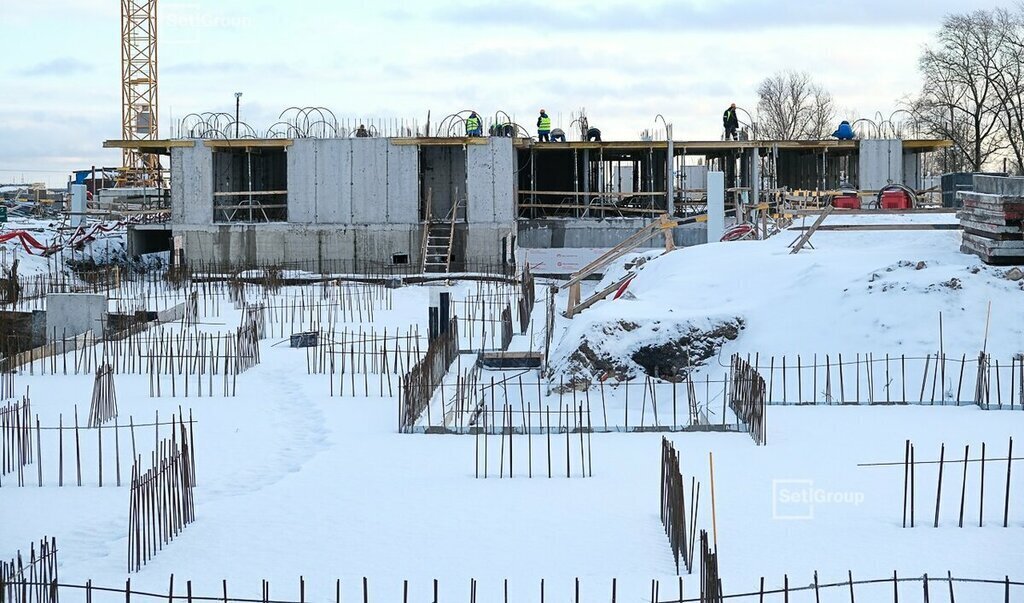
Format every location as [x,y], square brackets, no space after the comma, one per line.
[972,94]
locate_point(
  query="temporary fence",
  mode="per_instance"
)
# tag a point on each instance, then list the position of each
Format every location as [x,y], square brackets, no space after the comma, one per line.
[680,526]
[350,357]
[892,588]
[417,387]
[710,582]
[879,379]
[16,438]
[912,468]
[32,581]
[642,405]
[103,406]
[162,500]
[747,398]
[573,422]
[486,315]
[81,457]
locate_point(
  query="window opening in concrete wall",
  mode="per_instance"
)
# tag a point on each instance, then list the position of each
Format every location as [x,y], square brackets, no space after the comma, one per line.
[399,258]
[442,180]
[250,185]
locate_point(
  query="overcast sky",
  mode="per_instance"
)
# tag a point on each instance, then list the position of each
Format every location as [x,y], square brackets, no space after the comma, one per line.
[624,61]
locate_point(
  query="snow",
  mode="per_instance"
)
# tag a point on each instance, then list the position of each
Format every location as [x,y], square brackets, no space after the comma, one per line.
[294,482]
[855,292]
[46,231]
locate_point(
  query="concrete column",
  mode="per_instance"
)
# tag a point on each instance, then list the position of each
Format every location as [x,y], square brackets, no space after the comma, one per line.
[78,198]
[586,177]
[716,206]
[755,176]
[670,174]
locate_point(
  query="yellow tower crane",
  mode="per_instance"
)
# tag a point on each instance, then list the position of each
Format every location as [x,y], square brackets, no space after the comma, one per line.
[139,114]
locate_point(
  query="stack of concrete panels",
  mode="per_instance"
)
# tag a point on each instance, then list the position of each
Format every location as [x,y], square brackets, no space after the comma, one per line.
[992,216]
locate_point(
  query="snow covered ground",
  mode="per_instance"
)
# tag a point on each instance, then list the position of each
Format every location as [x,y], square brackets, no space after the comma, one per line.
[856,292]
[47,231]
[294,482]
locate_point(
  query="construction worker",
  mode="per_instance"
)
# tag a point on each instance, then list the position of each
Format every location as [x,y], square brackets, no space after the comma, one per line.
[473,127]
[557,135]
[361,132]
[844,131]
[543,127]
[731,123]
[593,135]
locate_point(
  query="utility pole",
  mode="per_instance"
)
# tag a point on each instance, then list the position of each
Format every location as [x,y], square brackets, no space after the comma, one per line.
[238,103]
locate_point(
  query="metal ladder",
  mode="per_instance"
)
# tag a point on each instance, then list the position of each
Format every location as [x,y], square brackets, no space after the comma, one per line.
[438,238]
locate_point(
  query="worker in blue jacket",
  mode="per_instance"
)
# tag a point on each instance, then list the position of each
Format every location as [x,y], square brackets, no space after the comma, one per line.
[844,131]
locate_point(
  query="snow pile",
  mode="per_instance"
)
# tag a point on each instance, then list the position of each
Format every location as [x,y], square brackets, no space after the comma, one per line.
[854,292]
[626,349]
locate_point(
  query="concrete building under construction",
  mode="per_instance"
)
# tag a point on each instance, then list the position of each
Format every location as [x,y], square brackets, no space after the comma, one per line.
[453,203]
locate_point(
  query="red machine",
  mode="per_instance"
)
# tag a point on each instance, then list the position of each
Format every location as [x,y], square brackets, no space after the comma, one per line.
[896,197]
[846,201]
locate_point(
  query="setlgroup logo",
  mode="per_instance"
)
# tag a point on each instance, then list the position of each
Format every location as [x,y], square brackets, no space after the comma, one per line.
[796,499]
[187,22]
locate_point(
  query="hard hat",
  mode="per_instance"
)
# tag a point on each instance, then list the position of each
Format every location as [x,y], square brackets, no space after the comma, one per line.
[542,111]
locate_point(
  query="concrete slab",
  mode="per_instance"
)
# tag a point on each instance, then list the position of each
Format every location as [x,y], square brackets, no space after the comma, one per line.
[70,314]
[999,185]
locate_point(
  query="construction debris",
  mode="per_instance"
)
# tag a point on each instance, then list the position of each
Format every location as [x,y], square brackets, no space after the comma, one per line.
[992,218]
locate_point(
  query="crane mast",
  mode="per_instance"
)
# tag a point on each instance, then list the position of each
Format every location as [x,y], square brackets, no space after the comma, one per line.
[139,106]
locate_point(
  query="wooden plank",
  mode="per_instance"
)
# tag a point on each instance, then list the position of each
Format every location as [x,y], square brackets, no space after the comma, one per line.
[607,208]
[992,236]
[249,193]
[877,227]
[254,206]
[592,194]
[632,242]
[139,144]
[806,236]
[603,293]
[247,143]
[875,212]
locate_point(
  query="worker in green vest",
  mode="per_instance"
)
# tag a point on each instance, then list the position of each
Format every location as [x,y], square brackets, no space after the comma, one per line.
[543,126]
[473,127]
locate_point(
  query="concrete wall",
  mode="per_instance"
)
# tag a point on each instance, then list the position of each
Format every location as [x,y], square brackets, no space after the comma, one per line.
[311,246]
[352,181]
[23,330]
[694,177]
[491,181]
[70,314]
[880,163]
[583,233]
[355,200]
[192,184]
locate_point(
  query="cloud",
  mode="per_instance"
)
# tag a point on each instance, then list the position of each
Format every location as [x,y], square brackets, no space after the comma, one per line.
[57,67]
[734,15]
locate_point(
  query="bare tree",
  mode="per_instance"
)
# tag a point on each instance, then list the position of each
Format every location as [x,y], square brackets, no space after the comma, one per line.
[1008,80]
[959,99]
[792,106]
